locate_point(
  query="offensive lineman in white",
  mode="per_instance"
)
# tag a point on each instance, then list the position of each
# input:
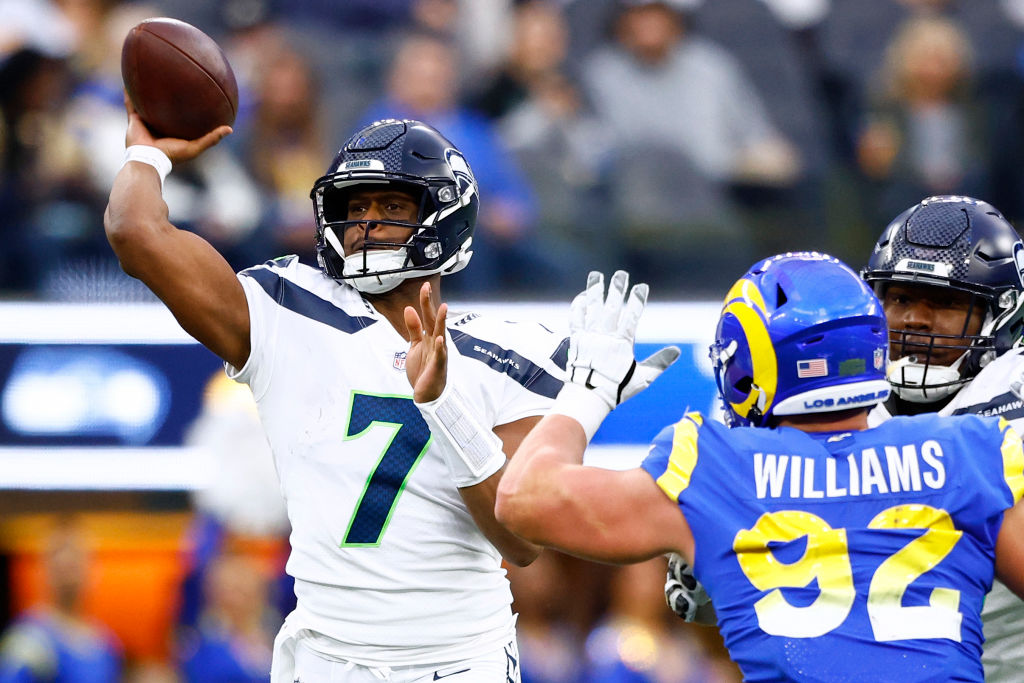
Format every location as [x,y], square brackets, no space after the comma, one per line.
[395,550]
[949,274]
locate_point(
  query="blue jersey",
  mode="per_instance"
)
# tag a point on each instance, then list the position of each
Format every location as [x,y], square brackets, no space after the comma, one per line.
[846,556]
[42,646]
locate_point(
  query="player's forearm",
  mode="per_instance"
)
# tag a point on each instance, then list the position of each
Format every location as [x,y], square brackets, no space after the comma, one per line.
[480,500]
[530,491]
[135,214]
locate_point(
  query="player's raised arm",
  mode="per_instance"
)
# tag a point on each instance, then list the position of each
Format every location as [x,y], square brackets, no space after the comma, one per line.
[475,460]
[182,269]
[546,494]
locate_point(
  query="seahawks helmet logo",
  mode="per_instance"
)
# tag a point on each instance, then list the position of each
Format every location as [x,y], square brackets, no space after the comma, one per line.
[460,169]
[1018,259]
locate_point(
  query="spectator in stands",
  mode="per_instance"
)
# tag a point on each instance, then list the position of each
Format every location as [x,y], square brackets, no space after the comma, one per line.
[56,642]
[234,638]
[538,47]
[424,84]
[563,149]
[32,92]
[644,86]
[637,643]
[559,143]
[925,133]
[688,124]
[550,647]
[40,191]
[283,142]
[478,28]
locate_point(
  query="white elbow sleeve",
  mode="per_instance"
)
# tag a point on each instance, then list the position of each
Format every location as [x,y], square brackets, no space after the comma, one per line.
[471,450]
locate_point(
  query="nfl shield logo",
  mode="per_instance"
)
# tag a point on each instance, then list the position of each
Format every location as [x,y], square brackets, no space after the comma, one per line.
[399,361]
[879,358]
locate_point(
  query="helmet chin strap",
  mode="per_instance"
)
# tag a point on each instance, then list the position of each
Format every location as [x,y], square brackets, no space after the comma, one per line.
[908,379]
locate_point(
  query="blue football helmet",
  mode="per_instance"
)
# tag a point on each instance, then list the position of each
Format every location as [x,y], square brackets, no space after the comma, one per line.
[799,333]
[414,157]
[957,243]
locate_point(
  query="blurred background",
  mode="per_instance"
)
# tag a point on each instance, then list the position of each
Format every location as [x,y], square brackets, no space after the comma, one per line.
[141,537]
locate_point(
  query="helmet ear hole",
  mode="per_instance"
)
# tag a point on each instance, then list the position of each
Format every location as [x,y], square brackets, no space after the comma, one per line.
[780,296]
[744,384]
[812,341]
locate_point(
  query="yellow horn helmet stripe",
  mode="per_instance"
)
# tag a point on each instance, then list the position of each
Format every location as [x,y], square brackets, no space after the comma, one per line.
[745,289]
[749,308]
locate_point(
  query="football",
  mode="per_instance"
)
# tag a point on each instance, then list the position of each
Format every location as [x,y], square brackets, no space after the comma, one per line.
[178,79]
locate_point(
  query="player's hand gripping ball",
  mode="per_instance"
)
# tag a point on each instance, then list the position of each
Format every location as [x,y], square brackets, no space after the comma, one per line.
[178,79]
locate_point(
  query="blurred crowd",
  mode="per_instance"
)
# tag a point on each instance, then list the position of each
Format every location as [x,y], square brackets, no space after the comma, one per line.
[680,139]
[612,626]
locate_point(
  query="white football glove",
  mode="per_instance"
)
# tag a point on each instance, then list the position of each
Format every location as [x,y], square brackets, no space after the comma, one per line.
[602,370]
[683,592]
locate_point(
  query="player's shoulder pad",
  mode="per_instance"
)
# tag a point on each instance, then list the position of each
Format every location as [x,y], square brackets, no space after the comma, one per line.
[691,423]
[673,455]
[284,266]
[529,339]
[971,427]
[280,263]
[288,272]
[1008,368]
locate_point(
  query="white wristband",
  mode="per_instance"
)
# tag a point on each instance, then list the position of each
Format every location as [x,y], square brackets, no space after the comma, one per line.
[154,156]
[471,450]
[582,405]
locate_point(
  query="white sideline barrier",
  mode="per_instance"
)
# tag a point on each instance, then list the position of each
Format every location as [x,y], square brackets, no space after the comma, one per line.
[175,467]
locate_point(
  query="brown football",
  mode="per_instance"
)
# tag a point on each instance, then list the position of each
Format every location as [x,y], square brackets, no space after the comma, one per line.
[178,79]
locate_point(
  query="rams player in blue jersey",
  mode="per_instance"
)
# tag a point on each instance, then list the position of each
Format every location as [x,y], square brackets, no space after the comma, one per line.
[831,550]
[948,271]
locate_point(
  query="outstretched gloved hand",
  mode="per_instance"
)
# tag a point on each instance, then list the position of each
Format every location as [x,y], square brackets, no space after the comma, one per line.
[602,369]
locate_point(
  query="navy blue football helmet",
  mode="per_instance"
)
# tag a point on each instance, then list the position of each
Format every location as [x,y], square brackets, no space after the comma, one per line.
[414,157]
[799,333]
[956,243]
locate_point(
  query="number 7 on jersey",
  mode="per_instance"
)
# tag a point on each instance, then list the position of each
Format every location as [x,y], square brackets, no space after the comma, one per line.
[386,482]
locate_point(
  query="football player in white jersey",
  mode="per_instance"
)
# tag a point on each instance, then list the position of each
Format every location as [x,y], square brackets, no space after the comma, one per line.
[396,553]
[949,273]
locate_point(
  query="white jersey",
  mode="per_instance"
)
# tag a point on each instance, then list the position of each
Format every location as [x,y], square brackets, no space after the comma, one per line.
[389,567]
[990,393]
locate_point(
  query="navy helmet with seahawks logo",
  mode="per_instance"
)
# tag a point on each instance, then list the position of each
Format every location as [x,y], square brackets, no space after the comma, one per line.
[414,157]
[958,243]
[799,333]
